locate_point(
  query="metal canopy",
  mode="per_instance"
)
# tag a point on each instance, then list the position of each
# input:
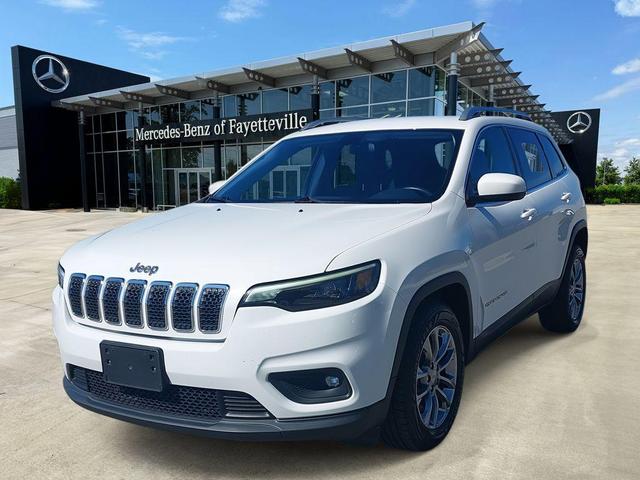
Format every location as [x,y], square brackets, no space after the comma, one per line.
[481,67]
[173,92]
[260,77]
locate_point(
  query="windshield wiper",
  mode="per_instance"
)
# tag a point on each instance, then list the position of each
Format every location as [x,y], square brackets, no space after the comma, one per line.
[305,199]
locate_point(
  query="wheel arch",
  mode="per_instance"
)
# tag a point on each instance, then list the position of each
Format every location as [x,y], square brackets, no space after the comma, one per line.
[453,289]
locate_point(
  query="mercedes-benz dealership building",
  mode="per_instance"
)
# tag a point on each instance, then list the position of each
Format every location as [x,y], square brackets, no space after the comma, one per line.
[93,136]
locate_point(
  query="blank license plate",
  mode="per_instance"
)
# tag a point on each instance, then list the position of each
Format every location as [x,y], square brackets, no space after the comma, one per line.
[133,366]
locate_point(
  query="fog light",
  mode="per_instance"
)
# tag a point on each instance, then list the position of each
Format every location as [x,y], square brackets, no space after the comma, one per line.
[332,381]
[320,385]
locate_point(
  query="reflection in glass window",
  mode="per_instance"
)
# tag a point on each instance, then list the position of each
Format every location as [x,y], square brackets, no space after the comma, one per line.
[229,108]
[352,91]
[395,109]
[248,103]
[153,116]
[208,158]
[422,82]
[327,95]
[206,109]
[169,113]
[169,188]
[354,112]
[386,87]
[247,152]
[231,160]
[191,157]
[131,120]
[327,113]
[172,158]
[158,192]
[421,107]
[300,97]
[275,100]
[190,111]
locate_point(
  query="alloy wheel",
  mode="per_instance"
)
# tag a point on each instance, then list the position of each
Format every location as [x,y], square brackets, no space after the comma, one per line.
[576,289]
[436,377]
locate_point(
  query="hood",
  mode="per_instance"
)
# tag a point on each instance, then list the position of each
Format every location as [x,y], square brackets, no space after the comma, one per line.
[236,244]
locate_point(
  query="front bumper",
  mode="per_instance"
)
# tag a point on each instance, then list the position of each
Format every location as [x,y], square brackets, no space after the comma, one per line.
[343,426]
[358,338]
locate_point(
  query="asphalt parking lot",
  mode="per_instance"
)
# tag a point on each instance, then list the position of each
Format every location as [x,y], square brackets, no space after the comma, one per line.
[535,405]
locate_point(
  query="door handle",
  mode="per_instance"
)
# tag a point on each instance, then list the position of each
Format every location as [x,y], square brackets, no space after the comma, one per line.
[566,196]
[528,213]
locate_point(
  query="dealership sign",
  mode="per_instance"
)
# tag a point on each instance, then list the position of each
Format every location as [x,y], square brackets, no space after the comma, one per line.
[268,126]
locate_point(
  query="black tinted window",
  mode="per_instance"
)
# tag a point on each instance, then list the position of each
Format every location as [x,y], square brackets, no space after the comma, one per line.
[492,154]
[555,162]
[533,164]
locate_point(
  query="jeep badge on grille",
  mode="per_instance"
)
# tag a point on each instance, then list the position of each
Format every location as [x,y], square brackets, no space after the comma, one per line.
[144,269]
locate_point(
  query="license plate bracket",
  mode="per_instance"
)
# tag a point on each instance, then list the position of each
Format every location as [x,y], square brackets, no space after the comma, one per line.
[133,366]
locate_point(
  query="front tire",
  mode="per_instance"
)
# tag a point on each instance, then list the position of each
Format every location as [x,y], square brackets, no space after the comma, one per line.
[564,314]
[429,384]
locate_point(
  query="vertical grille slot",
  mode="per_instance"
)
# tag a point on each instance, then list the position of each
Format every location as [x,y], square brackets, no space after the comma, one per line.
[210,307]
[132,302]
[76,283]
[92,297]
[111,300]
[157,305]
[182,306]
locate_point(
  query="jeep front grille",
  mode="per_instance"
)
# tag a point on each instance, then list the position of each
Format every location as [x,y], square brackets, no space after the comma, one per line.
[182,308]
[92,297]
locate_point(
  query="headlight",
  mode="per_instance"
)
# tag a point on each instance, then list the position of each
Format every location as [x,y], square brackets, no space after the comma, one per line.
[318,291]
[60,276]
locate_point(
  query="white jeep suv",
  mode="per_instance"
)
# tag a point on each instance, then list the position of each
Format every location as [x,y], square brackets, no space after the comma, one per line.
[335,287]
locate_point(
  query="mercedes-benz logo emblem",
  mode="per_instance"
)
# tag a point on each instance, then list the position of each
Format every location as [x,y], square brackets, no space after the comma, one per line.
[578,122]
[50,74]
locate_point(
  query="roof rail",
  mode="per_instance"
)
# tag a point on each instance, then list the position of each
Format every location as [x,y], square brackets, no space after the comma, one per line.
[330,121]
[473,112]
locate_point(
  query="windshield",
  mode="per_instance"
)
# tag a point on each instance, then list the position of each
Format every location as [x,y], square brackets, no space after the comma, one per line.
[390,166]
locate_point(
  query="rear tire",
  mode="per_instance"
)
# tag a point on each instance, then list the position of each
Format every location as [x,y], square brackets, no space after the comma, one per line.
[429,385]
[564,314]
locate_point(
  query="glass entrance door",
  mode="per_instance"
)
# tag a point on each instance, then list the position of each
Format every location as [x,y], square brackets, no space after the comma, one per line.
[192,184]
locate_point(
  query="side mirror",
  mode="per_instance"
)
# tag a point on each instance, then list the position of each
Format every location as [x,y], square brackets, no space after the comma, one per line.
[500,187]
[215,186]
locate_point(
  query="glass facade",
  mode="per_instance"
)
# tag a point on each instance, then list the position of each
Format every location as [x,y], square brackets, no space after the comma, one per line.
[181,173]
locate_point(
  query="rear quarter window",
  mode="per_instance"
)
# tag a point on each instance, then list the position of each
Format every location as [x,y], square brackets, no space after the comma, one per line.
[554,159]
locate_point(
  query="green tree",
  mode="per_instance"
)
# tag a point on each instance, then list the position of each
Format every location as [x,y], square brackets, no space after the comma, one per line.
[607,173]
[632,171]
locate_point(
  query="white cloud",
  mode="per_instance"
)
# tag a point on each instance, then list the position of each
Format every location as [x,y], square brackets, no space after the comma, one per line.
[631,66]
[239,10]
[399,9]
[150,44]
[73,5]
[621,151]
[628,8]
[619,90]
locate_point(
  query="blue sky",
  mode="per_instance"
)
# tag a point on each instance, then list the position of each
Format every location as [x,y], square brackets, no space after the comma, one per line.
[577,54]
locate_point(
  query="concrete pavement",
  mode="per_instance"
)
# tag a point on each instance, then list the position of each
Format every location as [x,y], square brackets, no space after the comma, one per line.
[535,405]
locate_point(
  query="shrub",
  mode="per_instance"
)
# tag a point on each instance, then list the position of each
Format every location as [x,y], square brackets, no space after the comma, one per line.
[10,196]
[628,193]
[611,201]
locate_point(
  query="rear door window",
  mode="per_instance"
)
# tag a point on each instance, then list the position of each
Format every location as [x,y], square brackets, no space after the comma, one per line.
[533,164]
